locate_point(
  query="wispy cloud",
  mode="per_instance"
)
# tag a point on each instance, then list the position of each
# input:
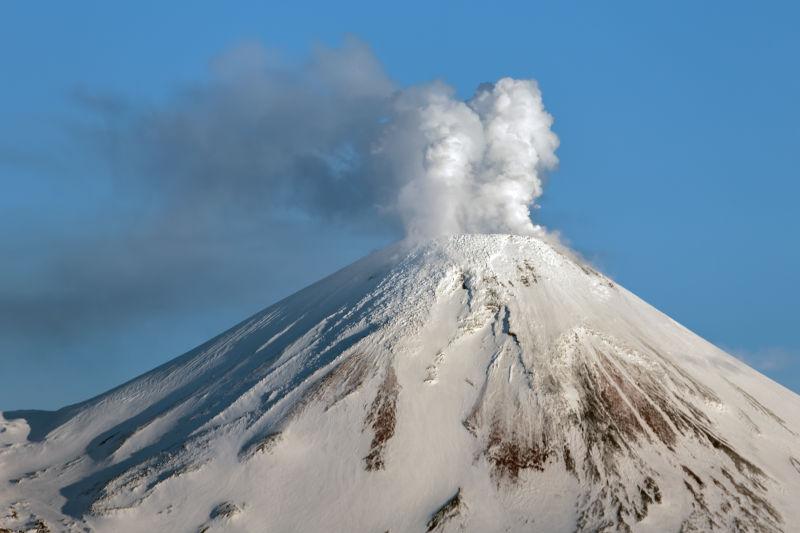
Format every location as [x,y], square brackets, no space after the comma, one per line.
[770,359]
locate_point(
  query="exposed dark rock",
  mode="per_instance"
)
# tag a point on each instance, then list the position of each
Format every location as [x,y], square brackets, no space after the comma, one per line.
[694,476]
[224,510]
[527,273]
[795,463]
[447,512]
[263,444]
[382,417]
[569,463]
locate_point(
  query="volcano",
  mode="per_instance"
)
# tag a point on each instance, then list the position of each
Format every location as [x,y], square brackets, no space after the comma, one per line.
[475,382]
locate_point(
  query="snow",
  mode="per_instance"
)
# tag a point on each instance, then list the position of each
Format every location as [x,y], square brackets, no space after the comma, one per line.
[513,360]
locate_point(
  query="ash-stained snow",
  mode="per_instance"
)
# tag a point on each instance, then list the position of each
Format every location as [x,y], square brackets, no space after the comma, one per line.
[478,382]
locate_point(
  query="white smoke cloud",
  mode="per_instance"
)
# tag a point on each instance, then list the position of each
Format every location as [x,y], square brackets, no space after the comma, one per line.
[480,162]
[335,138]
[520,146]
[435,142]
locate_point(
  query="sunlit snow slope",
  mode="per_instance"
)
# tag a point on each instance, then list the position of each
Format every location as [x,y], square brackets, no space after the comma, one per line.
[480,382]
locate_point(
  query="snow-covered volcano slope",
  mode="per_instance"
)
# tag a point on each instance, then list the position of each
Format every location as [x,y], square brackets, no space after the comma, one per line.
[481,382]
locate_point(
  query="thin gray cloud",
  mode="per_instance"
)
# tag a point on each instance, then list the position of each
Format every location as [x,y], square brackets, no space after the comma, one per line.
[768,359]
[260,136]
[198,199]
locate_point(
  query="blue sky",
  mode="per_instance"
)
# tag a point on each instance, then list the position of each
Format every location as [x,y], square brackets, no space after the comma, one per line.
[680,150]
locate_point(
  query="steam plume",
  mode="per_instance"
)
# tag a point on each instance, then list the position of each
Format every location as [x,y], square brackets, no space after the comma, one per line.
[482,160]
[335,138]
